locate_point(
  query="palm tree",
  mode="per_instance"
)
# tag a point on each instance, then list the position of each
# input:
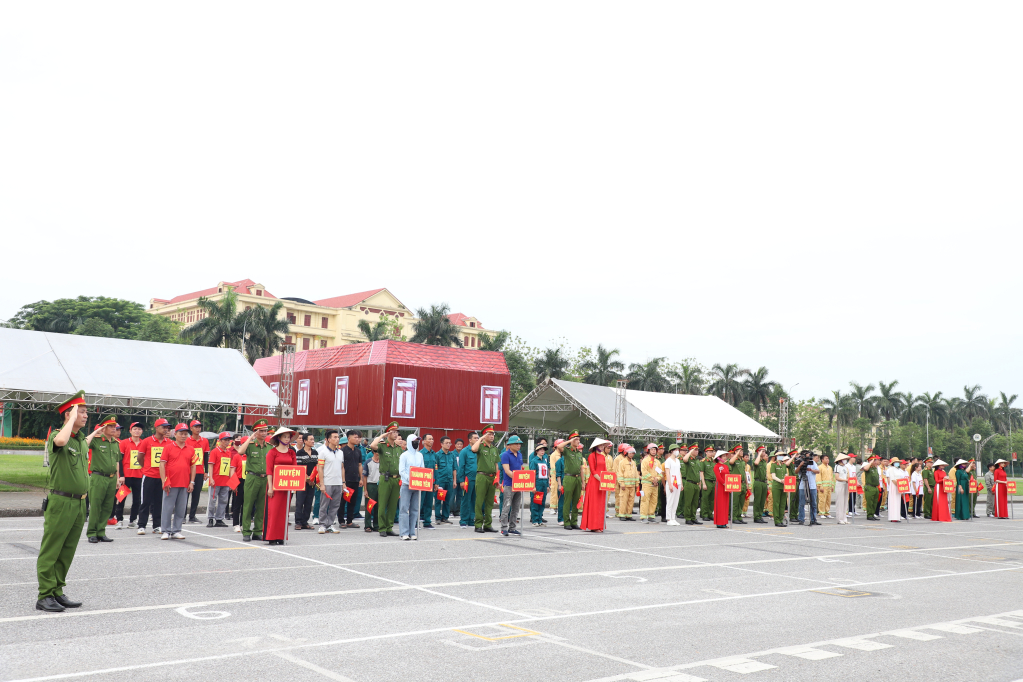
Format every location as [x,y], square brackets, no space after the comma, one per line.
[889,403]
[496,342]
[934,408]
[265,329]
[953,412]
[865,403]
[377,332]
[552,364]
[757,389]
[604,368]
[687,381]
[841,411]
[974,403]
[726,382]
[1008,416]
[435,328]
[220,327]
[647,376]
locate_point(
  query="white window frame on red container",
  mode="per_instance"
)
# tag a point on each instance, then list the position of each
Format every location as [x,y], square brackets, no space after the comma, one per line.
[338,382]
[304,389]
[406,384]
[483,403]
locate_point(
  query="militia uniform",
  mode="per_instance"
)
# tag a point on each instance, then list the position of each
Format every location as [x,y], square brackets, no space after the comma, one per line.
[104,453]
[539,464]
[487,459]
[759,485]
[64,515]
[692,471]
[710,481]
[778,490]
[570,481]
[871,483]
[389,488]
[738,468]
[254,503]
[443,476]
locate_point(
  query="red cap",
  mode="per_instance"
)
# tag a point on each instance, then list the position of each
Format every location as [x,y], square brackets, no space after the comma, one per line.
[161,422]
[224,435]
[180,427]
[194,422]
[134,424]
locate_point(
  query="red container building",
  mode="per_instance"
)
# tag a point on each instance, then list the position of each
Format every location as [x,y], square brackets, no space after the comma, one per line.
[443,391]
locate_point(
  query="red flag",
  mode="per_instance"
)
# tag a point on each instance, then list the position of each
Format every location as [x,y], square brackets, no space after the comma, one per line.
[538,497]
[580,505]
[465,485]
[233,482]
[122,493]
[111,521]
[370,503]
[442,495]
[347,494]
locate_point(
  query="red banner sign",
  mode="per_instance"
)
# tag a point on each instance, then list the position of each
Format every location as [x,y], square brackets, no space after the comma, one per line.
[902,485]
[973,486]
[733,483]
[523,481]
[289,477]
[949,485]
[608,479]
[854,485]
[789,482]
[1010,487]
[420,478]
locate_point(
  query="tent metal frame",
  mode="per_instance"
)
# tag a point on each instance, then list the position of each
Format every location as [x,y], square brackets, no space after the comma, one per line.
[35,400]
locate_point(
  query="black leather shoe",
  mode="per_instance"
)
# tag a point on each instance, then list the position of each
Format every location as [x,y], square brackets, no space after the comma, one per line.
[93,540]
[800,523]
[688,522]
[697,522]
[479,530]
[814,523]
[246,538]
[65,602]
[489,530]
[221,524]
[257,537]
[49,604]
[391,534]
[739,521]
[759,521]
[383,534]
[104,538]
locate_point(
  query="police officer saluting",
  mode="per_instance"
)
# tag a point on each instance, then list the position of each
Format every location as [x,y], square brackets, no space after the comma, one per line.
[390,481]
[103,482]
[65,504]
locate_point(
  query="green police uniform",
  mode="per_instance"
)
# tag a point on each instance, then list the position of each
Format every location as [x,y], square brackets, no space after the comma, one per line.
[102,484]
[691,491]
[778,494]
[738,468]
[573,486]
[873,497]
[759,488]
[928,476]
[389,488]
[65,513]
[254,499]
[487,459]
[793,497]
[707,501]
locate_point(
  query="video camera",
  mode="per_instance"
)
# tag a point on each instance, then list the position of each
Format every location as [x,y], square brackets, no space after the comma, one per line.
[801,462]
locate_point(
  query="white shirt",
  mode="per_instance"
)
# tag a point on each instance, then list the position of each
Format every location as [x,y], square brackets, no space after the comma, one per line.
[916,483]
[673,474]
[333,465]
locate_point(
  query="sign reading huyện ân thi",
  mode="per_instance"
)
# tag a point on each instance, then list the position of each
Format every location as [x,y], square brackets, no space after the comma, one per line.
[420,478]
[289,477]
[789,482]
[733,483]
[608,479]
[902,485]
[523,481]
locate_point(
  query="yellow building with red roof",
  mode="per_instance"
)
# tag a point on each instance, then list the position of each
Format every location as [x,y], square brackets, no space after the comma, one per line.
[318,324]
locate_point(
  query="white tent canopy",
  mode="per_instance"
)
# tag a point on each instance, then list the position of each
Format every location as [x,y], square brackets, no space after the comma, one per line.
[39,370]
[562,406]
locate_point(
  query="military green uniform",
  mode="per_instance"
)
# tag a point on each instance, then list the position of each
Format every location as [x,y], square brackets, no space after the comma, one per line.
[759,488]
[487,459]
[691,491]
[738,467]
[778,494]
[928,476]
[389,487]
[102,484]
[793,497]
[65,513]
[254,499]
[872,497]
[707,501]
[573,486]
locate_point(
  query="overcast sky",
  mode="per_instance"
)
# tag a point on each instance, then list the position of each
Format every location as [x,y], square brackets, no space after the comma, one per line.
[830,190]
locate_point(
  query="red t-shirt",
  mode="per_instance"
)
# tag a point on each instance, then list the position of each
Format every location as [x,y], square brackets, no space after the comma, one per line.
[220,466]
[152,451]
[130,458]
[178,463]
[200,446]
[238,462]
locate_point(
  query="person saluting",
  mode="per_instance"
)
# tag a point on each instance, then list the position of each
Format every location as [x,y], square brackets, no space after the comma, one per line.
[64,514]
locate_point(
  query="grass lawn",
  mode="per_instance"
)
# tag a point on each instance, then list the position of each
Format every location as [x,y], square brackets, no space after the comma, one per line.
[23,469]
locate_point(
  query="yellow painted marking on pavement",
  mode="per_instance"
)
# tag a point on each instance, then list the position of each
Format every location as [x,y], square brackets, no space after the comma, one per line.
[842,592]
[904,547]
[981,557]
[526,633]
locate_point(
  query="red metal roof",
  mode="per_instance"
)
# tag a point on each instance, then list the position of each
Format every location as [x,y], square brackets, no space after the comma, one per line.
[241,284]
[347,300]
[389,352]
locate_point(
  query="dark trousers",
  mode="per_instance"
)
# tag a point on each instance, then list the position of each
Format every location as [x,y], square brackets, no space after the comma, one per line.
[193,504]
[303,506]
[151,501]
[443,509]
[467,515]
[371,518]
[350,508]
[918,505]
[236,505]
[135,485]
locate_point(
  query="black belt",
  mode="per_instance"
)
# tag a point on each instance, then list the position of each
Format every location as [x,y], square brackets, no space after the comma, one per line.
[97,473]
[64,494]
[572,475]
[389,476]
[253,473]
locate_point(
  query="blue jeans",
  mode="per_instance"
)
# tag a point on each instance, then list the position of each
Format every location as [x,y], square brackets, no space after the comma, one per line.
[802,504]
[408,510]
[467,513]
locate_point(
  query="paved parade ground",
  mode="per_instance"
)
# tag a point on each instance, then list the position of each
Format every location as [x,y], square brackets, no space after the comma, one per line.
[874,600]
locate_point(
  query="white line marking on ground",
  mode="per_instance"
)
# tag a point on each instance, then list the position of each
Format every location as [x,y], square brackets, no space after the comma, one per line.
[329,674]
[558,641]
[808,652]
[912,634]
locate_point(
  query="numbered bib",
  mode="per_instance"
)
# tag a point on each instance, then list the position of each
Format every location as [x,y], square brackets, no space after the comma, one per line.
[133,460]
[244,462]
[154,457]
[541,470]
[225,466]
[197,457]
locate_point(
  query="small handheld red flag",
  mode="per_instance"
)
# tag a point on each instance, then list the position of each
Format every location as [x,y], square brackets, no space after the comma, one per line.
[370,503]
[122,493]
[233,482]
[442,495]
[538,497]
[347,494]
[465,485]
